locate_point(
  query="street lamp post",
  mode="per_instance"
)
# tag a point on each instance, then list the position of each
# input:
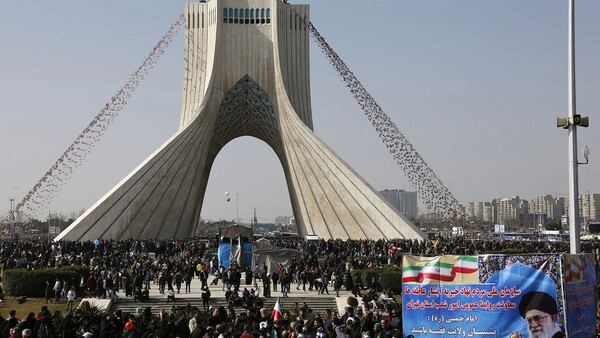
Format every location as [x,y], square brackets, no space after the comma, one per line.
[237,206]
[11,216]
[12,210]
[573,170]
[570,123]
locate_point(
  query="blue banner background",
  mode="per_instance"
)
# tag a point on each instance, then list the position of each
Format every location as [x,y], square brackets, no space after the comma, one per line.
[581,300]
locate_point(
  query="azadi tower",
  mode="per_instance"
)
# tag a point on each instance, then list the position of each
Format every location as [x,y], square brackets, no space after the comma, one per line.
[246,74]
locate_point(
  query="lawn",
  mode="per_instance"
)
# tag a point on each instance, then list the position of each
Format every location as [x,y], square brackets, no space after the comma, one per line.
[31,305]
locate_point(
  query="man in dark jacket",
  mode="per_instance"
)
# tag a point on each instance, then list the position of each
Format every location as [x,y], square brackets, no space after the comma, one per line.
[275,279]
[10,323]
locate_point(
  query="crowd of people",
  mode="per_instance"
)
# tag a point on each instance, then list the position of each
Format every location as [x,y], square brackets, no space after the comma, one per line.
[130,268]
[191,322]
[127,266]
[148,258]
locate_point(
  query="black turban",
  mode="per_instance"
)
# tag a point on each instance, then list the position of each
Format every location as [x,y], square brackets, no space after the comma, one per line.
[537,300]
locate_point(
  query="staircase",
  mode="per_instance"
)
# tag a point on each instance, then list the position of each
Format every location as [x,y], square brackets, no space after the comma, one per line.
[317,304]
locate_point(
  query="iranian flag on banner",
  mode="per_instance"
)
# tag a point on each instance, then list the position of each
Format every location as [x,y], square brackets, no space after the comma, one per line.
[449,269]
[276,311]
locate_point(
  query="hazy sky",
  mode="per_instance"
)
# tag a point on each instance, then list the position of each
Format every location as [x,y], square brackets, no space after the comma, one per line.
[474,85]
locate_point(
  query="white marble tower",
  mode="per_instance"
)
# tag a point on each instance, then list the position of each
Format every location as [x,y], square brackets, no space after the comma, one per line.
[246,74]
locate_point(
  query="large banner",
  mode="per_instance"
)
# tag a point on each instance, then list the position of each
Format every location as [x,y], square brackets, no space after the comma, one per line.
[483,296]
[224,254]
[579,273]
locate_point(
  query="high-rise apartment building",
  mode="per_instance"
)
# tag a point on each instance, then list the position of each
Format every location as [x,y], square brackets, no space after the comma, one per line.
[469,210]
[561,208]
[479,211]
[539,210]
[589,207]
[551,206]
[488,213]
[403,201]
[511,209]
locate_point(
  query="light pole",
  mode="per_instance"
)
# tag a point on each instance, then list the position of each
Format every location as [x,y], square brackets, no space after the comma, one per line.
[227,199]
[237,206]
[11,216]
[570,123]
[12,210]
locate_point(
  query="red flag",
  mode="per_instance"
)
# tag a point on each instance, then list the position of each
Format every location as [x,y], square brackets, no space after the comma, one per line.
[276,311]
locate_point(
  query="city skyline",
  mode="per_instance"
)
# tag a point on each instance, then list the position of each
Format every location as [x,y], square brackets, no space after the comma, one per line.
[460,96]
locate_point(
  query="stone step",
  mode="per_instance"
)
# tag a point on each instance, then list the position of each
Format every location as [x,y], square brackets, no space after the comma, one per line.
[319,305]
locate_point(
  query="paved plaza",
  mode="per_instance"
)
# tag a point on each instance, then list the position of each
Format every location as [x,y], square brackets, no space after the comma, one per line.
[313,299]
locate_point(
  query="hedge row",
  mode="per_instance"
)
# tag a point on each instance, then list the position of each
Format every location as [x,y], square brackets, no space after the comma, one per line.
[389,277]
[32,283]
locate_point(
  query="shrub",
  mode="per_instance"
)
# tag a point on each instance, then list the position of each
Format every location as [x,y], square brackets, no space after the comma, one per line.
[367,277]
[355,278]
[32,283]
[389,277]
[83,271]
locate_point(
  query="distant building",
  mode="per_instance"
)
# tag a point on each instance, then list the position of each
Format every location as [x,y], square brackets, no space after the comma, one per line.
[512,210]
[539,219]
[404,201]
[561,208]
[478,210]
[589,206]
[589,209]
[541,210]
[469,210]
[286,223]
[553,207]
[488,213]
[484,212]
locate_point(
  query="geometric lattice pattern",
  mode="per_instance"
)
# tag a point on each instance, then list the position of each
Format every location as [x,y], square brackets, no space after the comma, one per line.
[246,110]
